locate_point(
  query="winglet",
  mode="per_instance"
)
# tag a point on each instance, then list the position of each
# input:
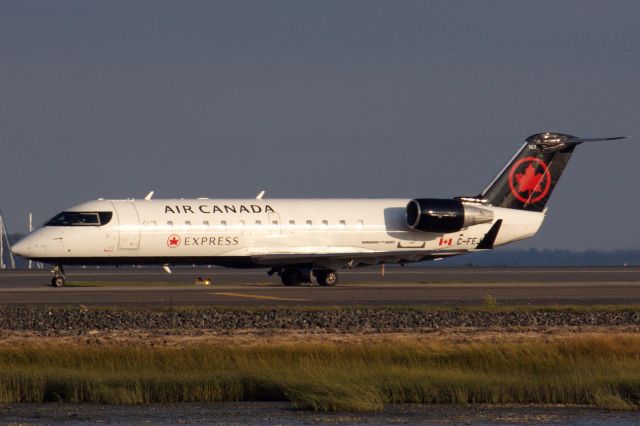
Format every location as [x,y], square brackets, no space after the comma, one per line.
[490,237]
[149,195]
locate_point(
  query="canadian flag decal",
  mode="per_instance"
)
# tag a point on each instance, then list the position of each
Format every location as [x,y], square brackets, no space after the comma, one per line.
[446,241]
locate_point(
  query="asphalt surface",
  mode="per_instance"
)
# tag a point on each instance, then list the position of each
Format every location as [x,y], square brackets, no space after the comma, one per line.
[398,286]
[279,413]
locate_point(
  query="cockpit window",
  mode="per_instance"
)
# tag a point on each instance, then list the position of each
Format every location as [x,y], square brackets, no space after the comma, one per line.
[80,219]
[105,217]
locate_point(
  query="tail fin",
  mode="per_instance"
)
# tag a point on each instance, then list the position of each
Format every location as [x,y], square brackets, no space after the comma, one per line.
[528,179]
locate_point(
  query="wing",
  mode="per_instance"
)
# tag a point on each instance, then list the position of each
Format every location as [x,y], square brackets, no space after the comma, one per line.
[339,260]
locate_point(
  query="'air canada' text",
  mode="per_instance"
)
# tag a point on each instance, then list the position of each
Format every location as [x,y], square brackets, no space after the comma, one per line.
[222,209]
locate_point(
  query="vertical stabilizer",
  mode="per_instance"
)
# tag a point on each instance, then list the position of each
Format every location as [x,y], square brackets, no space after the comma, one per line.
[528,179]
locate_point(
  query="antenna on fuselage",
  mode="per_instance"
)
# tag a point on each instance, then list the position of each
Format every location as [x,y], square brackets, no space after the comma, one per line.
[149,195]
[260,195]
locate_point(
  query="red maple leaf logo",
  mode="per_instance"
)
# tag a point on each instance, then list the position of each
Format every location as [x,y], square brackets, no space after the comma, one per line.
[173,241]
[529,180]
[533,184]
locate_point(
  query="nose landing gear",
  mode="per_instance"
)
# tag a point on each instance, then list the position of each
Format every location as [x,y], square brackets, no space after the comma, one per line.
[59,278]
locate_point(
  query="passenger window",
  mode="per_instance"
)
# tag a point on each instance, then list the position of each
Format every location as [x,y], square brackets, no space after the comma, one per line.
[223,223]
[187,223]
[274,223]
[292,222]
[170,223]
[325,223]
[205,223]
[258,223]
[343,224]
[309,223]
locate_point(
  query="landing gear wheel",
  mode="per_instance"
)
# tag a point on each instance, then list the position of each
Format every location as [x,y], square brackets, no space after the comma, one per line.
[58,276]
[291,277]
[327,278]
[57,281]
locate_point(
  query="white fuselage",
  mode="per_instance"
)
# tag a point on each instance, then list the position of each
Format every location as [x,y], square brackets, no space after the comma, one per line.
[253,232]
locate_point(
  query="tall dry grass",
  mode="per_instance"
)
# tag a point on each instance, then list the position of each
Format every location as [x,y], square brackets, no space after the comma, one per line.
[600,370]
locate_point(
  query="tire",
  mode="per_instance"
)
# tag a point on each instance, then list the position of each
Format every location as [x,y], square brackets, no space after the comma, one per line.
[57,282]
[327,278]
[291,277]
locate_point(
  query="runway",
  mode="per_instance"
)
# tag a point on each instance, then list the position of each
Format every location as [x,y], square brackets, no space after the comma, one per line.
[366,287]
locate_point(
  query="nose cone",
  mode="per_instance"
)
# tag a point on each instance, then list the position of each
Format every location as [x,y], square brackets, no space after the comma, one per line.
[30,247]
[34,245]
[22,248]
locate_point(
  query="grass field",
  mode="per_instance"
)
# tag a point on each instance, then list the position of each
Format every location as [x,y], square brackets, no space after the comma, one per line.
[600,370]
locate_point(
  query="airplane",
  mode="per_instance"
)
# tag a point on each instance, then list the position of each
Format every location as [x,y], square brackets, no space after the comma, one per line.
[302,240]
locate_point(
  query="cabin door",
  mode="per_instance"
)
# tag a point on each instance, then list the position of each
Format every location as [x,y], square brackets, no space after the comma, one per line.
[129,225]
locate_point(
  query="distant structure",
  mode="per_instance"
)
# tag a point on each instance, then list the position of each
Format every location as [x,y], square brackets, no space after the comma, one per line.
[30,231]
[39,265]
[4,242]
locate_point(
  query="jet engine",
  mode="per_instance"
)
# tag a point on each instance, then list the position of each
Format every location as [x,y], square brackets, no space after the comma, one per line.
[444,215]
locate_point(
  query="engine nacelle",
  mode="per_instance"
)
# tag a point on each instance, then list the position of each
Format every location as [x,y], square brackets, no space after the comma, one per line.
[444,215]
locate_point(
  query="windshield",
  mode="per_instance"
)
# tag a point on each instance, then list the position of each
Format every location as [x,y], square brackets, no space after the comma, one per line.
[80,219]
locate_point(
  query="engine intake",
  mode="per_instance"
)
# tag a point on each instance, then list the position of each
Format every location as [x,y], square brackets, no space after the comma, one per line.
[444,215]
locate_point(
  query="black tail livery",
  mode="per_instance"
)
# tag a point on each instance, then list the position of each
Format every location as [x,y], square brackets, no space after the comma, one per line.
[528,179]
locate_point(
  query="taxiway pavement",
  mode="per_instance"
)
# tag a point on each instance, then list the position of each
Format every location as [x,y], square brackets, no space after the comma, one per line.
[398,286]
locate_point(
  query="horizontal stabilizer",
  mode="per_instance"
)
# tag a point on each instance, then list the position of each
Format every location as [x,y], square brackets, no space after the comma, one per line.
[553,142]
[615,138]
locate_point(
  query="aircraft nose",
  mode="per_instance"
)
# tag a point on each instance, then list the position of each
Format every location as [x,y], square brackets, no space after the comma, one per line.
[29,247]
[22,248]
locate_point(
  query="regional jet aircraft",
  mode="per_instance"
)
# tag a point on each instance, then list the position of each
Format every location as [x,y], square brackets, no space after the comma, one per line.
[305,240]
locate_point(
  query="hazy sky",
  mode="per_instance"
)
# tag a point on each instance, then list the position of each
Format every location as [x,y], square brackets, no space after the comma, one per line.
[318,99]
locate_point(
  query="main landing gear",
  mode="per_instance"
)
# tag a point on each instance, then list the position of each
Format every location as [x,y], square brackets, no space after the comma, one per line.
[327,277]
[292,277]
[59,278]
[295,276]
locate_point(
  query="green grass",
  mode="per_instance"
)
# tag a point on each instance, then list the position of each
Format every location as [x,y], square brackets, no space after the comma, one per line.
[595,370]
[490,302]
